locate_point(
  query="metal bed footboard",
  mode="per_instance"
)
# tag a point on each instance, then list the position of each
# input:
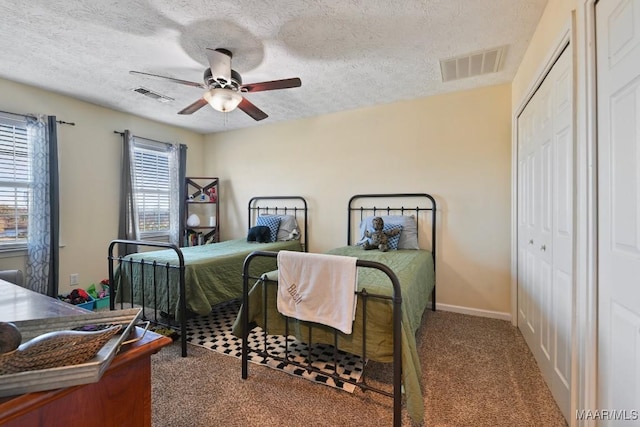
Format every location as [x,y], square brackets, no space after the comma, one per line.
[123,262]
[396,299]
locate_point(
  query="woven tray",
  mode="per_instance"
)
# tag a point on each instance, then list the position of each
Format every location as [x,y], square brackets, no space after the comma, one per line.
[58,358]
[53,349]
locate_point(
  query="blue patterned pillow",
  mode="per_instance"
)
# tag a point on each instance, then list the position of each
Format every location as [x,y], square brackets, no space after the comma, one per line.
[273,222]
[392,241]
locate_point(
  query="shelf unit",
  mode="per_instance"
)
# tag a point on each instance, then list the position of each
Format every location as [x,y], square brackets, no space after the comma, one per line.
[203,197]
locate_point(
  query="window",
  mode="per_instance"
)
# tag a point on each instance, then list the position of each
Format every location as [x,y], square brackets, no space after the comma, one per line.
[15,183]
[152,187]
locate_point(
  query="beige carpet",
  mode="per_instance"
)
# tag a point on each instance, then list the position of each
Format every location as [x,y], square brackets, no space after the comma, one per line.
[476,372]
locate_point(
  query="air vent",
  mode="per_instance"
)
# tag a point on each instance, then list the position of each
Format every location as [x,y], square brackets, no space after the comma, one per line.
[153,95]
[473,64]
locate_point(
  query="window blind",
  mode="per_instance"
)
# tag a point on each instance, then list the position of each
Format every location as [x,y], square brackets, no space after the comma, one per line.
[15,182]
[152,187]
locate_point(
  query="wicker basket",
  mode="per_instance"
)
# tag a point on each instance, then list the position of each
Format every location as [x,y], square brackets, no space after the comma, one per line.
[54,349]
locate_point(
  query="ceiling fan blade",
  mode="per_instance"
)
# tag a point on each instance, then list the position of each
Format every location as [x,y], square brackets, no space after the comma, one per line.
[182,82]
[220,64]
[272,85]
[194,107]
[253,111]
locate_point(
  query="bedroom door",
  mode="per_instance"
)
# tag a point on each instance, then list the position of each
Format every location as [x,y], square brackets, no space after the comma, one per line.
[618,92]
[545,227]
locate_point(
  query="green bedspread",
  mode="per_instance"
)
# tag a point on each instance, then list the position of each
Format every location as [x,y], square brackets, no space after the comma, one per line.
[414,269]
[213,274]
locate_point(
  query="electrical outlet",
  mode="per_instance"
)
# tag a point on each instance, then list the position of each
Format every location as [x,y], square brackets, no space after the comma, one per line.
[73,279]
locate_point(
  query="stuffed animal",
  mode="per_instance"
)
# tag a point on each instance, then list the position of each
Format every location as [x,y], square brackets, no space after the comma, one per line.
[378,239]
[294,235]
[260,234]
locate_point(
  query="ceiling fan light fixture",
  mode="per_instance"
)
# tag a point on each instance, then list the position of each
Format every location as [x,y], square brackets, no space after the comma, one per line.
[223,100]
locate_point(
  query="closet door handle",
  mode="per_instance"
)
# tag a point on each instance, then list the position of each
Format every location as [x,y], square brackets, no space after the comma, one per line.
[543,248]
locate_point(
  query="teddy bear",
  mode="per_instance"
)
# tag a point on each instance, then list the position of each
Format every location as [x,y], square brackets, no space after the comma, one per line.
[378,239]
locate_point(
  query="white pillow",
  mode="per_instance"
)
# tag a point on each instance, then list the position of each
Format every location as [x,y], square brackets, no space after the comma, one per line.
[408,235]
[288,229]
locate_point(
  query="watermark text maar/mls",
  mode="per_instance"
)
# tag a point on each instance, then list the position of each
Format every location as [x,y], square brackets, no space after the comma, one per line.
[608,414]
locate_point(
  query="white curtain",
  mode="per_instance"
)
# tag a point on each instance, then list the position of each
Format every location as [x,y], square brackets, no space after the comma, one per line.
[176,201]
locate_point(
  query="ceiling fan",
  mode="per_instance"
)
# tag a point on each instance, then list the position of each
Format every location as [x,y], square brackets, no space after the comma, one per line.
[224,86]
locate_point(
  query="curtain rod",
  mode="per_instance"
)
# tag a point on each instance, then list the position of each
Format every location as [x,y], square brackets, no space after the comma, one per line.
[18,114]
[148,139]
[34,117]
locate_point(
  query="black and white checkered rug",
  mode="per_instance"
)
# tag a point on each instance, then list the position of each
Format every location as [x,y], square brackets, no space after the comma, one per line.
[214,332]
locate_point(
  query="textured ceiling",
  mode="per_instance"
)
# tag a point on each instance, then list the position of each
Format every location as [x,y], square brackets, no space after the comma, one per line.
[348,53]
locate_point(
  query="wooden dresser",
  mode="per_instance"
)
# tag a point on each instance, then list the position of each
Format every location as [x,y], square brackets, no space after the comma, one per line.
[122,397]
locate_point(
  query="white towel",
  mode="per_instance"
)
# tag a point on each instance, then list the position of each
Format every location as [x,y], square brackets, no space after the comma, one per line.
[318,288]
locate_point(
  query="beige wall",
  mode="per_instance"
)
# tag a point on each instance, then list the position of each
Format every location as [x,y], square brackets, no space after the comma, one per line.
[89,159]
[554,21]
[454,146]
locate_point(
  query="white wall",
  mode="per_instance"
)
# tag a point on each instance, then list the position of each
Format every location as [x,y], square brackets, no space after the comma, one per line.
[454,146]
[89,162]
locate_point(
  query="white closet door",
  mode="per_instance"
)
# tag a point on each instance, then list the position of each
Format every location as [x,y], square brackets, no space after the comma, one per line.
[618,59]
[527,222]
[562,237]
[545,227]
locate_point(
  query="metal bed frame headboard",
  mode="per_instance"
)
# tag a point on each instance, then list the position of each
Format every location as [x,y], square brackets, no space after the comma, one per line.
[425,203]
[297,207]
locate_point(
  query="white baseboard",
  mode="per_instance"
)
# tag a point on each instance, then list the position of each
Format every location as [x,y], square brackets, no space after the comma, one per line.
[473,311]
